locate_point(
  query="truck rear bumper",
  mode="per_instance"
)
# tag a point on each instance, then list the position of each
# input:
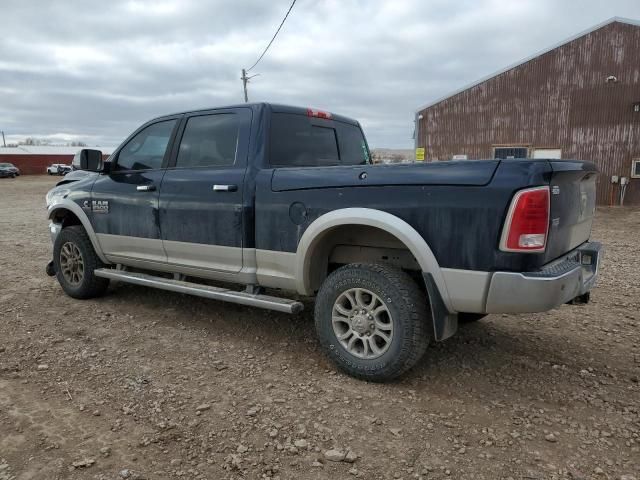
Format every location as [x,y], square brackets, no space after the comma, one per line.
[557,283]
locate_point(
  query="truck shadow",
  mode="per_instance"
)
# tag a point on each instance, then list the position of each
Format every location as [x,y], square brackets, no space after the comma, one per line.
[496,352]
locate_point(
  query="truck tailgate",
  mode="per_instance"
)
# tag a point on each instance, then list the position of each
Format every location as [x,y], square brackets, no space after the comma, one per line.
[573,199]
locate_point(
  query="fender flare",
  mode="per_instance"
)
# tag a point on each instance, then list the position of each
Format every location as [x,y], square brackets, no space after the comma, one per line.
[66,204]
[373,218]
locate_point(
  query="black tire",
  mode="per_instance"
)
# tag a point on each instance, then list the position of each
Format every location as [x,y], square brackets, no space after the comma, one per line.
[464,317]
[89,286]
[407,308]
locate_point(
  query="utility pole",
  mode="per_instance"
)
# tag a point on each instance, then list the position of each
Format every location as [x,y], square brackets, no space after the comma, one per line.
[245,79]
[3,142]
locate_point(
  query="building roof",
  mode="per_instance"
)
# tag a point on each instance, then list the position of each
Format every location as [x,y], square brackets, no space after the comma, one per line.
[48,150]
[531,57]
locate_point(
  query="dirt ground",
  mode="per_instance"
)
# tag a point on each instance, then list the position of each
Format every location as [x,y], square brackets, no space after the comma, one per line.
[150,384]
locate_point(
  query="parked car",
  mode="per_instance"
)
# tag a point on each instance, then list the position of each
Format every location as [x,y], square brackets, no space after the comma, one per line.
[6,172]
[53,168]
[58,169]
[285,198]
[11,167]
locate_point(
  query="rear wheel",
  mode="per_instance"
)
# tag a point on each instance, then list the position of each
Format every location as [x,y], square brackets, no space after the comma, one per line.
[372,321]
[75,261]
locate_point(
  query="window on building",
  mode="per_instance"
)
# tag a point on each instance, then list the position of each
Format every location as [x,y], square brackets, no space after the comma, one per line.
[547,153]
[209,141]
[147,149]
[510,152]
[635,168]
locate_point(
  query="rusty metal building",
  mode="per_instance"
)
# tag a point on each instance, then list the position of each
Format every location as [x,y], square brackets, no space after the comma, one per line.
[579,99]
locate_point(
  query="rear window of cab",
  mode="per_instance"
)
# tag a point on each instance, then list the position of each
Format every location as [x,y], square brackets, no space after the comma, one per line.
[302,141]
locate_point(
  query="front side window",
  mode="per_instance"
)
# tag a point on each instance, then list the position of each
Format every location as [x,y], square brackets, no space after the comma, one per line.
[209,141]
[146,150]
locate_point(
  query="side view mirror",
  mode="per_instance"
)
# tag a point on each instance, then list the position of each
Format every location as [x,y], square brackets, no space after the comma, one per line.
[90,160]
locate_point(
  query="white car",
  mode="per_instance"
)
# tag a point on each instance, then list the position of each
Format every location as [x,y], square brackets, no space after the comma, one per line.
[58,169]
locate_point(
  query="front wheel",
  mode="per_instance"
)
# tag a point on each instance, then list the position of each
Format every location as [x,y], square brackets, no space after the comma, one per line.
[75,261]
[372,321]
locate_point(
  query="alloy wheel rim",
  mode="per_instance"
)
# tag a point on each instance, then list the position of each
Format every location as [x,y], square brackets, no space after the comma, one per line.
[71,263]
[362,323]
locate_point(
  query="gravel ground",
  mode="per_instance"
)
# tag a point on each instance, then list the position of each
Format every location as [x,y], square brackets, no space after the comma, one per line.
[150,384]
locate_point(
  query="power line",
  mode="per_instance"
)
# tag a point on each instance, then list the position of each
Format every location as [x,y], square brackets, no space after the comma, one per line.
[244,77]
[274,36]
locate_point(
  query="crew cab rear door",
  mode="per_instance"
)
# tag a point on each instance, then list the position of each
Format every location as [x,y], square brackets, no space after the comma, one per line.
[201,198]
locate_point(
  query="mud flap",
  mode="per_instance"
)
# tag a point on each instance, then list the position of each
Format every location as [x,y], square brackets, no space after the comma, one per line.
[445,324]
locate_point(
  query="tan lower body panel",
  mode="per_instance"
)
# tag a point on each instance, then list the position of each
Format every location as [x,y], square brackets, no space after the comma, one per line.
[213,262]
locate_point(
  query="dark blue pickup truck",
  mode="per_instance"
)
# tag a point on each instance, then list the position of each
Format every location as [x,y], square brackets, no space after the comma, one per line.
[283,198]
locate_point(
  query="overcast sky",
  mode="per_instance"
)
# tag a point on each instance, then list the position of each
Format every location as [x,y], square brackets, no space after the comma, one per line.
[95,70]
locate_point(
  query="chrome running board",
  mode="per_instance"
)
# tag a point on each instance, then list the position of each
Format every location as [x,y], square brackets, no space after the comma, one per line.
[216,293]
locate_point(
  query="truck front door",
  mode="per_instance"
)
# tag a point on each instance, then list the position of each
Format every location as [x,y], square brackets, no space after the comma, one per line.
[201,198]
[124,203]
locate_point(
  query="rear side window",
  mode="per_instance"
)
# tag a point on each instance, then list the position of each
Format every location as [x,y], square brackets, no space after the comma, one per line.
[297,141]
[209,141]
[146,150]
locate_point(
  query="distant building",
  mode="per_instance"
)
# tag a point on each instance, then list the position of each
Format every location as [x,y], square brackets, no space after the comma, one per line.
[577,100]
[390,155]
[35,159]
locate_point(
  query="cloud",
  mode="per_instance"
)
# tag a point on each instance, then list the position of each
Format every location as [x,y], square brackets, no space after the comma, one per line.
[97,70]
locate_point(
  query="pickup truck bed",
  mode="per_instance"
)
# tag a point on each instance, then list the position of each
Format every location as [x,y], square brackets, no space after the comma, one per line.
[271,196]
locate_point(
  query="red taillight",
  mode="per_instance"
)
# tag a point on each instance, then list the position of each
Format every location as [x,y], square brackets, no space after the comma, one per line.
[527,224]
[318,113]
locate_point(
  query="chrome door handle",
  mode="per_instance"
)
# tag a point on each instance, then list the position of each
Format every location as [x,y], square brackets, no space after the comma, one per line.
[145,188]
[225,188]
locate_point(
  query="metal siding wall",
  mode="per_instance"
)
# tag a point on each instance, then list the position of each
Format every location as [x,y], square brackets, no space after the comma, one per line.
[558,100]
